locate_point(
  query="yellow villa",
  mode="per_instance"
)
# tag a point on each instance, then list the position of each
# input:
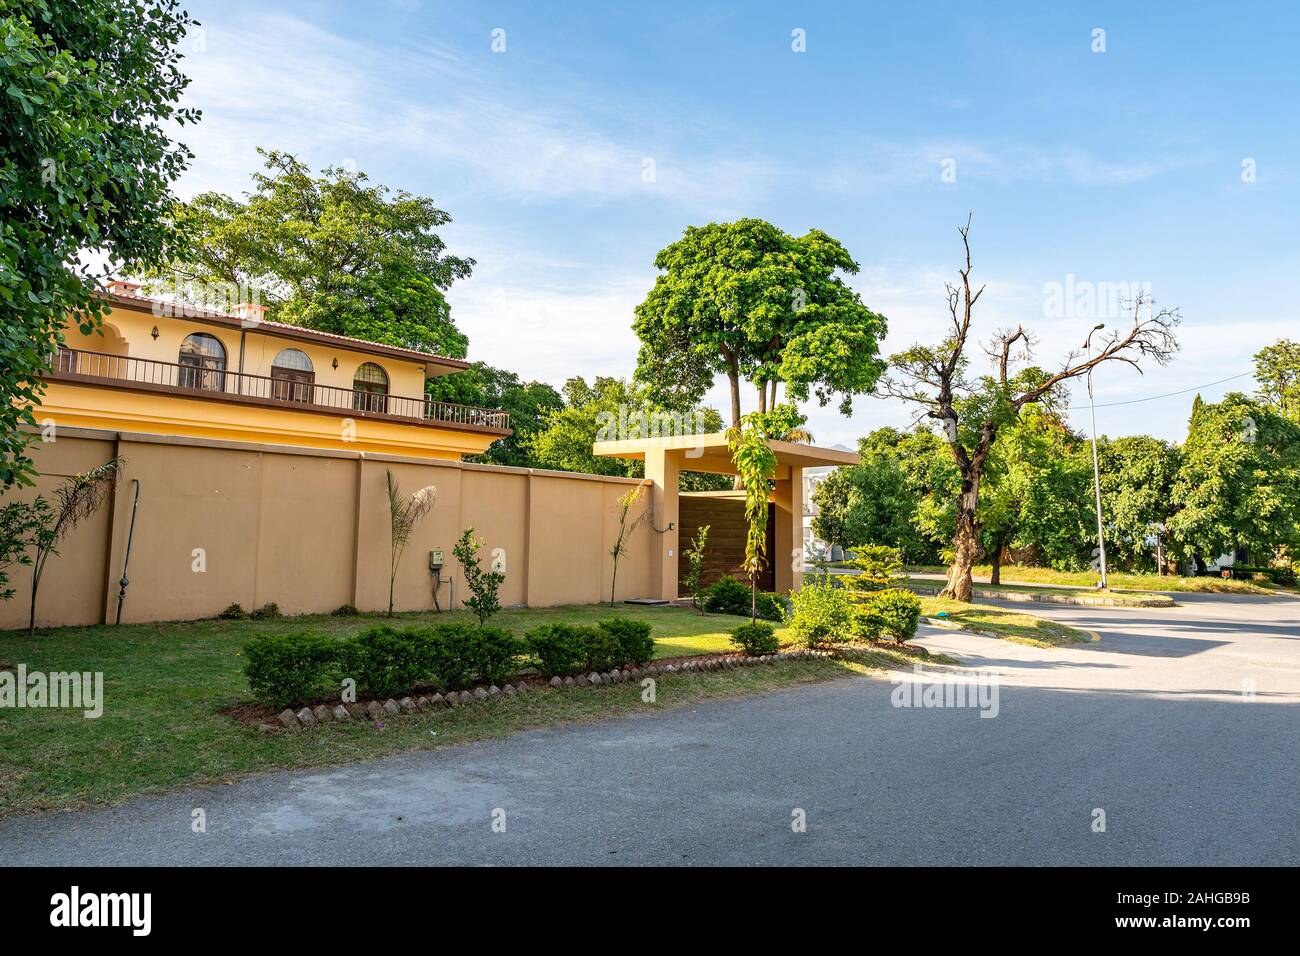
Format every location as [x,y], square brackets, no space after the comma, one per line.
[158,366]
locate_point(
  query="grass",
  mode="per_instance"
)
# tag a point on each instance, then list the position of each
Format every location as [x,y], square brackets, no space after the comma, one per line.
[1118,580]
[165,683]
[1008,625]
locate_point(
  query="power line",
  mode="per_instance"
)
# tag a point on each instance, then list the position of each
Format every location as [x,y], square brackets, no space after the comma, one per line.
[1194,388]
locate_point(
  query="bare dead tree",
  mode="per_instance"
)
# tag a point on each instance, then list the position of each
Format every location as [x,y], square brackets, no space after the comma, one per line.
[971,411]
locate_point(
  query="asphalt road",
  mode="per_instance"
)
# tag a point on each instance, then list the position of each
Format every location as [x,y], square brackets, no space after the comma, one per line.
[1181,725]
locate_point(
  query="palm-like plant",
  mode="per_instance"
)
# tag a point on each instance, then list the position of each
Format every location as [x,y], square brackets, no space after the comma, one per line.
[755,465]
[625,530]
[74,501]
[405,514]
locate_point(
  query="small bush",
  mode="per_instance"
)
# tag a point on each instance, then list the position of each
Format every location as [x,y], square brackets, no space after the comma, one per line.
[756,638]
[449,650]
[495,654]
[634,639]
[234,612]
[894,612]
[877,565]
[384,661]
[267,612]
[288,668]
[822,614]
[559,649]
[729,596]
[345,610]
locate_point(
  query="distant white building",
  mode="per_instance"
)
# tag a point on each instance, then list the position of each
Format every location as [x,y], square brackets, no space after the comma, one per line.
[814,548]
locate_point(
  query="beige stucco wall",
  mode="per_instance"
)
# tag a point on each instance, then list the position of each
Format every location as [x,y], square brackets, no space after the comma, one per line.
[309,530]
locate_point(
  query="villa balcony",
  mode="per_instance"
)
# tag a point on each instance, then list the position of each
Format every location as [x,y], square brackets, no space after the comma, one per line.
[78,366]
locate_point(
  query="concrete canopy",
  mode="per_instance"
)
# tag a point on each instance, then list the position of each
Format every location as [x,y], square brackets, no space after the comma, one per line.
[666,458]
[709,453]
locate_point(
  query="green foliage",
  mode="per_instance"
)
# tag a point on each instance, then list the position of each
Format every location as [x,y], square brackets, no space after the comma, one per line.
[1239,485]
[756,638]
[1277,370]
[822,613]
[384,661]
[608,409]
[267,612]
[1137,487]
[494,653]
[20,522]
[877,565]
[529,404]
[694,555]
[755,464]
[330,252]
[635,643]
[345,610]
[744,299]
[233,612]
[285,669]
[729,596]
[484,586]
[893,612]
[450,651]
[567,649]
[87,94]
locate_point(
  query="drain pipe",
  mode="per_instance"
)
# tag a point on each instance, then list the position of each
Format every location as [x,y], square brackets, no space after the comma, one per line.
[130,535]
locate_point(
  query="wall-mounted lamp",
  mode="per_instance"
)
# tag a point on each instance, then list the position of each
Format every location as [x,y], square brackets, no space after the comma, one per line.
[154,333]
[335,363]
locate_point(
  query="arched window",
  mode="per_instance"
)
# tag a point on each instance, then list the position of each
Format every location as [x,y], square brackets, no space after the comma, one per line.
[370,388]
[292,377]
[203,362]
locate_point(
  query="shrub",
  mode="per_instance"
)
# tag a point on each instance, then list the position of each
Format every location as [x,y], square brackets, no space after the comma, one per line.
[729,596]
[877,565]
[384,661]
[233,612]
[634,639]
[267,612]
[483,586]
[449,650]
[756,638]
[559,649]
[822,613]
[345,610]
[894,612]
[287,668]
[495,653]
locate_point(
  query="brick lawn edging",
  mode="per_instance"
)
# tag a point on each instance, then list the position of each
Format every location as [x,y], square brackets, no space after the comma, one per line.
[309,717]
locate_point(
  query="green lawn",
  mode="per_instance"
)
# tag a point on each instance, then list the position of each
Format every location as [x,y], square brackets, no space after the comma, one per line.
[164,685]
[1008,625]
[1113,598]
[1117,580]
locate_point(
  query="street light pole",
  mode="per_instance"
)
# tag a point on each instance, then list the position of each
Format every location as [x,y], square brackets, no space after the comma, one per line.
[1096,468]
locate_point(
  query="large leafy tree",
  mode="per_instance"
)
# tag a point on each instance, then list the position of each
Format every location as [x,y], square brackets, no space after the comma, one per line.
[605,409]
[1239,484]
[332,252]
[529,404]
[1277,370]
[86,166]
[972,409]
[747,301]
[1137,482]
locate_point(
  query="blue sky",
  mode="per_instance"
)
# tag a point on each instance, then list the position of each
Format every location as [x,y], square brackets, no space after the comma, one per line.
[1122,166]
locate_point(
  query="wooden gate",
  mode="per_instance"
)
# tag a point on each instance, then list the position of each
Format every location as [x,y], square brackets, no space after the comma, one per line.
[724,553]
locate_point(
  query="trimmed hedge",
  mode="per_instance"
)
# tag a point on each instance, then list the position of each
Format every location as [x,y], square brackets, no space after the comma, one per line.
[560,650]
[383,660]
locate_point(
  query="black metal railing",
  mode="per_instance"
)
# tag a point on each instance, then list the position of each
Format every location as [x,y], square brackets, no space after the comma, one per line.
[208,379]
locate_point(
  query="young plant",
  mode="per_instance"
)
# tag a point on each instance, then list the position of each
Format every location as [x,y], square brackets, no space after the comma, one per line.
[76,500]
[405,514]
[483,586]
[19,523]
[625,530]
[755,465]
[695,566]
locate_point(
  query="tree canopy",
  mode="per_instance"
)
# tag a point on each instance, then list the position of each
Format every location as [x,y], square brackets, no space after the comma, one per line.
[529,403]
[331,252]
[85,167]
[746,300]
[1277,370]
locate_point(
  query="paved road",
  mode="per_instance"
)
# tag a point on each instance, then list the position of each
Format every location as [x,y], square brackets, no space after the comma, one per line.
[1150,725]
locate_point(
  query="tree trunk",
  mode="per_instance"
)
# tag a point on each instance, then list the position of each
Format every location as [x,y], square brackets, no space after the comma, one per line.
[965,544]
[734,378]
[999,553]
[762,396]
